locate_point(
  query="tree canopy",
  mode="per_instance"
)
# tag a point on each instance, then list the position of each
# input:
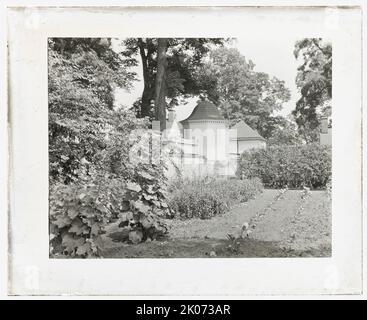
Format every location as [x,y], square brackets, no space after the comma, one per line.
[284,132]
[314,80]
[82,76]
[242,93]
[184,57]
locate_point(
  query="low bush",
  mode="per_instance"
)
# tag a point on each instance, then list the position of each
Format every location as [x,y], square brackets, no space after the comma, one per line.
[288,166]
[207,197]
[79,212]
[77,216]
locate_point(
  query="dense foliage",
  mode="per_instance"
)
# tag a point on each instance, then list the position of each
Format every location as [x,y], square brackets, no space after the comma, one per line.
[207,197]
[80,210]
[144,205]
[78,214]
[183,58]
[241,92]
[92,177]
[288,166]
[284,132]
[314,80]
[82,76]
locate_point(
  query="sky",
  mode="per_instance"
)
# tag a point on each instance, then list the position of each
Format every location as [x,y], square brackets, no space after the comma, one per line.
[273,55]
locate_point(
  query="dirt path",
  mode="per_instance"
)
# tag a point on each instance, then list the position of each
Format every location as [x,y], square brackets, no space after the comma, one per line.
[287,224]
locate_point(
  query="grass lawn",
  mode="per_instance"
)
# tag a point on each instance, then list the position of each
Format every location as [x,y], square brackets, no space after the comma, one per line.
[287,225]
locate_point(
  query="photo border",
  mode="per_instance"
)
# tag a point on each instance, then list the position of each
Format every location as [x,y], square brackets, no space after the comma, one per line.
[19,275]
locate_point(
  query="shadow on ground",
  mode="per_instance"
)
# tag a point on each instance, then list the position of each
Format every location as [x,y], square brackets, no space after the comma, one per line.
[209,248]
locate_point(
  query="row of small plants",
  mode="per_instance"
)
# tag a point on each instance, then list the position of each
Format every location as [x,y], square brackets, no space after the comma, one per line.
[295,166]
[205,197]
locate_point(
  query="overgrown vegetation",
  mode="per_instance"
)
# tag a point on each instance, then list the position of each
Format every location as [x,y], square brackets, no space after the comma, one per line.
[208,196]
[314,80]
[92,178]
[79,212]
[288,166]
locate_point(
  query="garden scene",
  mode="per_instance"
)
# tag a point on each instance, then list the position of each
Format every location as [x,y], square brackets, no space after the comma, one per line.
[186,148]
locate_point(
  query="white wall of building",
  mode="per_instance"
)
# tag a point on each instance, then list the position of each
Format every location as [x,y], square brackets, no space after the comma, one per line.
[209,147]
[211,138]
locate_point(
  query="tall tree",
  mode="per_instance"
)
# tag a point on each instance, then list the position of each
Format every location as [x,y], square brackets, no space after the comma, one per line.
[284,132]
[314,80]
[240,92]
[83,73]
[184,57]
[160,83]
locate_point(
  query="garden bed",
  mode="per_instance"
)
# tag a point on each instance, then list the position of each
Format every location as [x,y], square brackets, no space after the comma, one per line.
[288,224]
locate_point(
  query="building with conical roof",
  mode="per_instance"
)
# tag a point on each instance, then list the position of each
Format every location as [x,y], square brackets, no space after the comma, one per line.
[206,138]
[204,111]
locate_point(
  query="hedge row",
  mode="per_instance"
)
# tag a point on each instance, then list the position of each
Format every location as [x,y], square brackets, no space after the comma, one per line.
[292,166]
[207,197]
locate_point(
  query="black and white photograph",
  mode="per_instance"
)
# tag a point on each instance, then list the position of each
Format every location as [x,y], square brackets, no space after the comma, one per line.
[210,150]
[189,147]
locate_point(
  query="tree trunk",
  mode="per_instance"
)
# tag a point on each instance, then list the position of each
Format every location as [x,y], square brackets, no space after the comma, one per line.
[147,97]
[160,83]
[148,91]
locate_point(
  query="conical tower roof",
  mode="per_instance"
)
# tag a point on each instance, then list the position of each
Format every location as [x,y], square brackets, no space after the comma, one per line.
[205,110]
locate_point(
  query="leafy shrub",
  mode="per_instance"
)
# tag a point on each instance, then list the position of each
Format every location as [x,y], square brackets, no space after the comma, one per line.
[91,175]
[293,166]
[78,214]
[144,205]
[82,75]
[207,197]
[127,190]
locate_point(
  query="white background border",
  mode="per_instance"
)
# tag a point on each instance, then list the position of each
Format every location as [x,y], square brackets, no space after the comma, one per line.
[172,282]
